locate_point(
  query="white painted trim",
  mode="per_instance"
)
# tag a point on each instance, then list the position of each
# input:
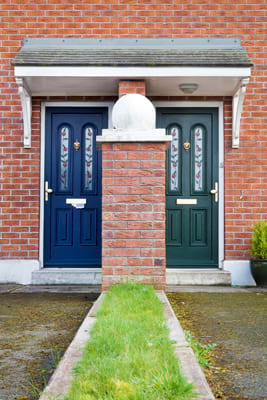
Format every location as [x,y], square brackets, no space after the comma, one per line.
[174,104]
[189,103]
[66,103]
[221,184]
[42,169]
[219,106]
[26,103]
[133,135]
[240,272]
[17,271]
[237,106]
[129,72]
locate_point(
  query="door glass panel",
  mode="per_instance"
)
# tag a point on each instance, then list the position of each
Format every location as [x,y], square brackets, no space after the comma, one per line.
[199,166]
[64,170]
[174,156]
[88,157]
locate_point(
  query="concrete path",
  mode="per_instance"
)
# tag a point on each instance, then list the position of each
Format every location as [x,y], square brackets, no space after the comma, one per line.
[13,288]
[214,289]
[60,381]
[236,322]
[35,330]
[187,358]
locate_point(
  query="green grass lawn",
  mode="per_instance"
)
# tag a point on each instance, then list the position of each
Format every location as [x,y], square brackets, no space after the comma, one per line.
[129,355]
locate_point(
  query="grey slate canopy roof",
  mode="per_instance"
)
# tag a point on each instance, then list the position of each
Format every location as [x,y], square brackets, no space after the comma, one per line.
[122,52]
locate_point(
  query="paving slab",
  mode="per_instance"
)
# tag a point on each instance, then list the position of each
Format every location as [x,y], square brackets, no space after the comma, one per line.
[7,288]
[58,289]
[213,289]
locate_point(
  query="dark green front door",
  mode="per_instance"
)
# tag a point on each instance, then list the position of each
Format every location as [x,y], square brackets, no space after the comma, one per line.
[192,172]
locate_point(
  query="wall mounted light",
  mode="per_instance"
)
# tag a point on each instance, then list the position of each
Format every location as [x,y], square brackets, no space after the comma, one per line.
[188,88]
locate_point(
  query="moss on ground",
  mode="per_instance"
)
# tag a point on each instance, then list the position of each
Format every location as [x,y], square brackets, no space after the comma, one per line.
[236,322]
[35,330]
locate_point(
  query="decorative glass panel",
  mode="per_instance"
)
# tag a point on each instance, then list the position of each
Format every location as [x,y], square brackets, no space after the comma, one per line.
[88,158]
[64,158]
[174,155]
[198,159]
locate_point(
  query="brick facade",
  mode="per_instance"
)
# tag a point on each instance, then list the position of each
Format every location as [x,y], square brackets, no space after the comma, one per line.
[245,168]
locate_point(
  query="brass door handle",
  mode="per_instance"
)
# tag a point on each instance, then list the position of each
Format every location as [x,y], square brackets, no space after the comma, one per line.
[215,191]
[47,191]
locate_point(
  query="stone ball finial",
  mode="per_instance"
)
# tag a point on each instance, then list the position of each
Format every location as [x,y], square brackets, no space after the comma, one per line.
[133,111]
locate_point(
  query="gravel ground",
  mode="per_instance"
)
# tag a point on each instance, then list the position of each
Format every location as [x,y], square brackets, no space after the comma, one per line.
[237,323]
[35,330]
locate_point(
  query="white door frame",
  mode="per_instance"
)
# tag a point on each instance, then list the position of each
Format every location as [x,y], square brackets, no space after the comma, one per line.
[44,105]
[219,106]
[109,105]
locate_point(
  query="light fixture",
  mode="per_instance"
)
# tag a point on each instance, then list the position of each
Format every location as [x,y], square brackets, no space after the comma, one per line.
[188,88]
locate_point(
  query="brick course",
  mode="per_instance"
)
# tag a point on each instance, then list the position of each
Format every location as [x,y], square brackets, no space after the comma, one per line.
[245,168]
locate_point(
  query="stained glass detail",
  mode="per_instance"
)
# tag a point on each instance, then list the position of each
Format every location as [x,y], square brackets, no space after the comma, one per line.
[198,158]
[64,158]
[174,158]
[88,158]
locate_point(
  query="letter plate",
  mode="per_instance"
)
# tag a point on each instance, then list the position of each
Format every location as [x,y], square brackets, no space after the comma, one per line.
[77,203]
[186,201]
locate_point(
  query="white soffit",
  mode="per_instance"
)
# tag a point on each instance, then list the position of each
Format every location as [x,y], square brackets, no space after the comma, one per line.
[163,81]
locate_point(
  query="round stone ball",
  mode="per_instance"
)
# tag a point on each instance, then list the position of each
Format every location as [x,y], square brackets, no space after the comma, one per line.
[133,111]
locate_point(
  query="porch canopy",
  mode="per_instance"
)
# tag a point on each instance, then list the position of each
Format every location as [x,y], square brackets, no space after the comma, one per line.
[93,67]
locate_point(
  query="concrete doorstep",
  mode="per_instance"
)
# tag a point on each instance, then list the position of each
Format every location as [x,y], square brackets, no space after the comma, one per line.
[59,383]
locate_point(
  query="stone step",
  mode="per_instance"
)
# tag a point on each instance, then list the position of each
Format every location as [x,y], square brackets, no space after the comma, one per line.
[188,276]
[92,276]
[67,276]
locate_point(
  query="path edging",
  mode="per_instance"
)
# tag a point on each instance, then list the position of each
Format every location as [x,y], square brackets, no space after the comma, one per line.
[189,365]
[59,383]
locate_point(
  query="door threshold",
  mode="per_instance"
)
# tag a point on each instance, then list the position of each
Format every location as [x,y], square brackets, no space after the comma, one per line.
[198,276]
[192,268]
[71,267]
[67,276]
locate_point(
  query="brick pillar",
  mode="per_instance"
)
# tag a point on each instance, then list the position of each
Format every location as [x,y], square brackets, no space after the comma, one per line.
[133,213]
[128,86]
[133,190]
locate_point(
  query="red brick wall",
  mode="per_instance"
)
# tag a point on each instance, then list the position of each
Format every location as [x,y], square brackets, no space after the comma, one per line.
[126,87]
[245,168]
[133,226]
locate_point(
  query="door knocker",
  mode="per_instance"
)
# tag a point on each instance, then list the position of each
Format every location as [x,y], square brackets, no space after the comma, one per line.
[76,145]
[187,145]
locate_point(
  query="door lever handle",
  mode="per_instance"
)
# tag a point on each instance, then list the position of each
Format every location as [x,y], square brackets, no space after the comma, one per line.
[215,191]
[47,191]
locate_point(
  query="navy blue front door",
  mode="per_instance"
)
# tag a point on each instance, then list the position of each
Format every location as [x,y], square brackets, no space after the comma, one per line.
[72,211]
